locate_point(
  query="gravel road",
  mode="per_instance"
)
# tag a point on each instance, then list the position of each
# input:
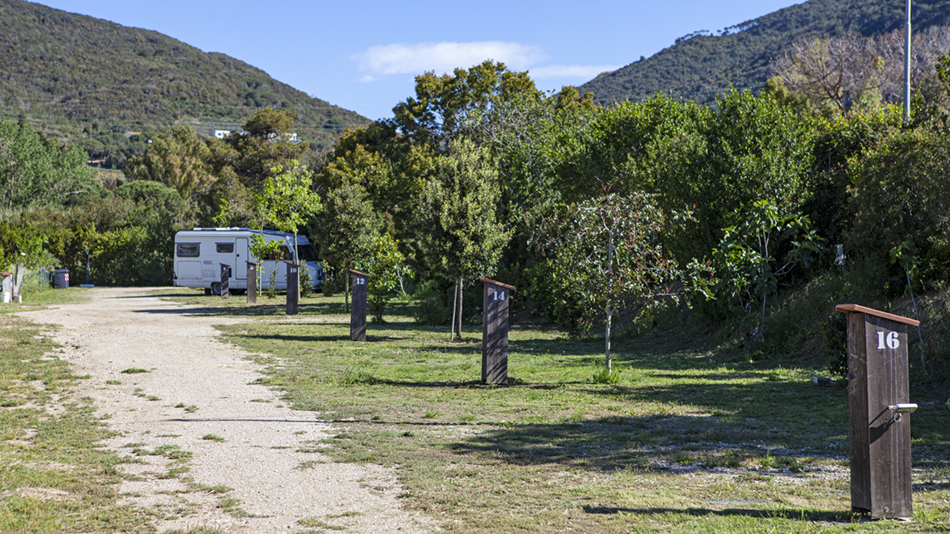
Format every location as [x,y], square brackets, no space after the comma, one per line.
[197,396]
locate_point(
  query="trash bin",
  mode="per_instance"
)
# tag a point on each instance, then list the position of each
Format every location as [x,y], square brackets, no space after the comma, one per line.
[61,278]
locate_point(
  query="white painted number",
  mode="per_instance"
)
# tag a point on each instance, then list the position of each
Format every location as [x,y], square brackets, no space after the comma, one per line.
[499,296]
[891,339]
[361,281]
[293,270]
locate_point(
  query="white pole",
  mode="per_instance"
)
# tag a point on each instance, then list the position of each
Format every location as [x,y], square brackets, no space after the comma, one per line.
[907,67]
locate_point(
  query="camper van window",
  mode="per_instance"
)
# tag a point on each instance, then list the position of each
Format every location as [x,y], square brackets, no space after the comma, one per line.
[189,250]
[306,253]
[280,255]
[225,248]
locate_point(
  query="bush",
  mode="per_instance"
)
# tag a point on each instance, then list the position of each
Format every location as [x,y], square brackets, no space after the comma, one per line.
[432,306]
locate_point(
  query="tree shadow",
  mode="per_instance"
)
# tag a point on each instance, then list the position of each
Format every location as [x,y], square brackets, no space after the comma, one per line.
[811,516]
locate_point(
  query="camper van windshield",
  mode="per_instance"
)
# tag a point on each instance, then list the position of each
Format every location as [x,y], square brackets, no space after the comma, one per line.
[306,253]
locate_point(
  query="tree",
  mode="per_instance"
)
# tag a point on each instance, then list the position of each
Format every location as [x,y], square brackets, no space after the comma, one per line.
[448,106]
[456,229]
[177,158]
[747,263]
[348,227]
[608,250]
[385,266]
[253,153]
[287,200]
[856,72]
[38,173]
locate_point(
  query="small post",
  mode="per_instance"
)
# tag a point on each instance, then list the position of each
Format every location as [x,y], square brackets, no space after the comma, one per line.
[879,412]
[358,308]
[87,268]
[293,287]
[251,282]
[225,275]
[495,332]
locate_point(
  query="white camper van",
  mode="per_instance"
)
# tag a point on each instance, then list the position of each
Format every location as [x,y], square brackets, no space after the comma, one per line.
[199,254]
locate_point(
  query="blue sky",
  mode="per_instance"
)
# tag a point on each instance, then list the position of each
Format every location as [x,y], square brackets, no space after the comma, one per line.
[363,56]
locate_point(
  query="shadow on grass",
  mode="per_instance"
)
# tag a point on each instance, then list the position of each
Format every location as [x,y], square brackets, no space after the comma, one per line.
[803,515]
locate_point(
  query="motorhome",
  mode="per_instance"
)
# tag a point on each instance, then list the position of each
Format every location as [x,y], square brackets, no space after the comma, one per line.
[199,254]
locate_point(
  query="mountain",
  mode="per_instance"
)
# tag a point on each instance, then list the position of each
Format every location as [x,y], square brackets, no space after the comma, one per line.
[90,81]
[702,65]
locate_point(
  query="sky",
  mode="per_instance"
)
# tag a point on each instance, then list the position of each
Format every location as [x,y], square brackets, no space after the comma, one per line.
[364,55]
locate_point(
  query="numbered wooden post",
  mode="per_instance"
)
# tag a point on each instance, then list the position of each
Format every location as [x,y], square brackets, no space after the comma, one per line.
[879,412]
[358,305]
[293,287]
[495,332]
[225,276]
[251,282]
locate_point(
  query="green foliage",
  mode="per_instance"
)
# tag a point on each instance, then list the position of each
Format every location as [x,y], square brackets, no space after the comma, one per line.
[304,280]
[703,65]
[456,230]
[446,107]
[384,267]
[754,255]
[38,173]
[347,228]
[901,199]
[431,303]
[287,200]
[177,158]
[141,79]
[609,251]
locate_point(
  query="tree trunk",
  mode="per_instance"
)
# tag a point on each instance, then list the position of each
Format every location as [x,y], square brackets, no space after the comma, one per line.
[762,320]
[458,329]
[607,337]
[346,289]
[455,296]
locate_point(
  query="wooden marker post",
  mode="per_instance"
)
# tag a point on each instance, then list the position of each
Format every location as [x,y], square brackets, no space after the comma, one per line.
[358,309]
[251,282]
[293,287]
[495,332]
[225,276]
[879,412]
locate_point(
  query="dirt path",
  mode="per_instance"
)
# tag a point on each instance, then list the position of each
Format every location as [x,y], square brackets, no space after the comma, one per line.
[196,402]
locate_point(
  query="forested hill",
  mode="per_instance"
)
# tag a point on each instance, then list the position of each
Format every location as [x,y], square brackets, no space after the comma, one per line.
[701,65]
[73,76]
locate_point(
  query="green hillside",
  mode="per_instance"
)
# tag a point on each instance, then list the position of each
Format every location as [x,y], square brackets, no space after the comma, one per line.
[90,80]
[701,65]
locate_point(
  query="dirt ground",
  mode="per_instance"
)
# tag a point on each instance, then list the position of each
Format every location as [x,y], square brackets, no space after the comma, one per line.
[197,396]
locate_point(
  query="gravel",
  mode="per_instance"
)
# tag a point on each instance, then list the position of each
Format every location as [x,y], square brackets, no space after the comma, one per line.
[240,436]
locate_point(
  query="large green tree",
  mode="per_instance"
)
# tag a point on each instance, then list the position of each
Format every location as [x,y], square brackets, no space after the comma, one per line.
[456,231]
[348,227]
[176,157]
[35,172]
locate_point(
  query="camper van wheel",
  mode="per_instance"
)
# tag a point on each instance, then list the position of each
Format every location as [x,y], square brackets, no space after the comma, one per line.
[216,289]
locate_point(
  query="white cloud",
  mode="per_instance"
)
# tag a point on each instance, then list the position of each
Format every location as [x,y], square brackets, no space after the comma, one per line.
[585,72]
[444,57]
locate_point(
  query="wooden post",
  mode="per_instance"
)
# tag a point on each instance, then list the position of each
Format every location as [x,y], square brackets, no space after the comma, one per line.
[495,332]
[251,282]
[293,287]
[358,305]
[225,275]
[879,412]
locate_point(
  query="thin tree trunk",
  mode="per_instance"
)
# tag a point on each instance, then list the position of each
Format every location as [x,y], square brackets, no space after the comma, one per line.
[346,289]
[607,338]
[458,329]
[455,297]
[762,320]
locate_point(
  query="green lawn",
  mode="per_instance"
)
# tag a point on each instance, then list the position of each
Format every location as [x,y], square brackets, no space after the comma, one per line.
[691,438]
[53,476]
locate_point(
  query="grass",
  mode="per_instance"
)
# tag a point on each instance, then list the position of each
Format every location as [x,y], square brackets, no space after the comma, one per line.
[688,436]
[53,475]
